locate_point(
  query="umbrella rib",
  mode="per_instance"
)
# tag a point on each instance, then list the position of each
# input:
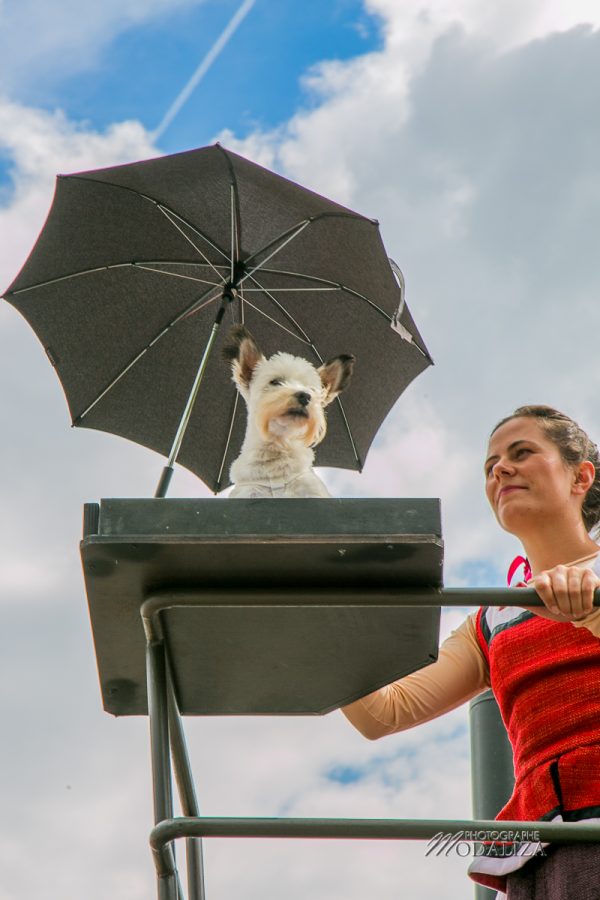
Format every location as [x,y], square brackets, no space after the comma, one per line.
[298,290]
[200,302]
[134,265]
[302,335]
[228,441]
[390,319]
[275,322]
[334,284]
[286,237]
[302,275]
[39,284]
[311,343]
[340,407]
[169,214]
[183,262]
[349,433]
[293,234]
[309,221]
[167,211]
[147,268]
[242,300]
[236,237]
[290,234]
[233,256]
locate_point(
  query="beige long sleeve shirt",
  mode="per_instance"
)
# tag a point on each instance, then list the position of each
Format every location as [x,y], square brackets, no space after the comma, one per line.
[460,672]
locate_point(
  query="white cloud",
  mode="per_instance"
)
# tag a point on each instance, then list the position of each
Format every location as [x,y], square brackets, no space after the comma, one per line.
[481,166]
[39,145]
[413,24]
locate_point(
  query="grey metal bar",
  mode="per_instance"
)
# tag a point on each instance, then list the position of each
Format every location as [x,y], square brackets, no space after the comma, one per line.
[371,829]
[404,596]
[195,869]
[476,830]
[186,790]
[159,731]
[167,881]
[492,771]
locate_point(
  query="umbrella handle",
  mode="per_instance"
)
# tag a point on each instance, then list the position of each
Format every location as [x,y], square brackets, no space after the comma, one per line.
[164,482]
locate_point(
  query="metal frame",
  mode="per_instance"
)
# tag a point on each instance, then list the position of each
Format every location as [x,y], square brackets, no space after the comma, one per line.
[168,747]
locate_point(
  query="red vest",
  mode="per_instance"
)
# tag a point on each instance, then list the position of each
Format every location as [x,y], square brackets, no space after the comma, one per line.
[546,678]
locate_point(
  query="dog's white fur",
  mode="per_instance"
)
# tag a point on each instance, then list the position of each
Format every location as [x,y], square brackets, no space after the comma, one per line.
[286,397]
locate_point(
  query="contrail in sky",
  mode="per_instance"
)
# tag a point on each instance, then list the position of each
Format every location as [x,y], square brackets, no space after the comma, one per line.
[204,66]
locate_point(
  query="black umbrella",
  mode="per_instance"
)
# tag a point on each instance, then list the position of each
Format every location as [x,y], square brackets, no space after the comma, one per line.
[138,265]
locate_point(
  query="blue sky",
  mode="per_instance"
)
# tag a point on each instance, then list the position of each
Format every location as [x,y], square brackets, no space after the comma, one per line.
[469,131]
[257,81]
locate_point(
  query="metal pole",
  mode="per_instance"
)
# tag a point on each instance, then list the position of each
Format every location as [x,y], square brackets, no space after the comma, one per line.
[506,831]
[167,472]
[187,791]
[370,829]
[167,881]
[159,600]
[492,771]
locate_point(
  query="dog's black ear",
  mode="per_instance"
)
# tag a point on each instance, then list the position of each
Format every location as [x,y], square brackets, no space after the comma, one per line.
[335,376]
[242,352]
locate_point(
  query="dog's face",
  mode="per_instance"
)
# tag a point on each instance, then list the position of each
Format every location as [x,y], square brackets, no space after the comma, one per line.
[285,397]
[285,394]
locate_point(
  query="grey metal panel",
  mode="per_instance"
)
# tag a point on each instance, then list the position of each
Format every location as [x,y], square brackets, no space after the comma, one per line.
[286,517]
[262,659]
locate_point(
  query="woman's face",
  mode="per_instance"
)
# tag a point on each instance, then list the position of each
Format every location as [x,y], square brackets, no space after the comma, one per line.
[526,478]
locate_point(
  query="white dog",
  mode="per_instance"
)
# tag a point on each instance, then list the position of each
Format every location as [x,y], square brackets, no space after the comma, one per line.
[285,396]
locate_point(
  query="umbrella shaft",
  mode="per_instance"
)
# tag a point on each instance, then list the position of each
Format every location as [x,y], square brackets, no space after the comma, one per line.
[192,397]
[168,470]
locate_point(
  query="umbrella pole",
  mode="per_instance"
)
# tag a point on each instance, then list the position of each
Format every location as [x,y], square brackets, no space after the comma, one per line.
[167,472]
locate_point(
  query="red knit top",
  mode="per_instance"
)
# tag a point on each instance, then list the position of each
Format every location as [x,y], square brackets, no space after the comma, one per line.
[546,678]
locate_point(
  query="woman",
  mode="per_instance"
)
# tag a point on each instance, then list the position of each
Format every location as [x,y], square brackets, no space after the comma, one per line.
[542,476]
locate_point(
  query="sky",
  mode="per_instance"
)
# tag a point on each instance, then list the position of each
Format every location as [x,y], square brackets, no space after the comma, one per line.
[470,131]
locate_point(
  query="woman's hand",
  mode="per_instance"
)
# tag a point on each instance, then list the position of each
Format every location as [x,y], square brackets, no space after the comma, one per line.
[567,593]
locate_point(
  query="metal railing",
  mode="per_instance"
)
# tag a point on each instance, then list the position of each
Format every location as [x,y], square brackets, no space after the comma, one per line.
[168,744]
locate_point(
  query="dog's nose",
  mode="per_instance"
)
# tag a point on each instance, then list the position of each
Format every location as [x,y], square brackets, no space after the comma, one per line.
[303,398]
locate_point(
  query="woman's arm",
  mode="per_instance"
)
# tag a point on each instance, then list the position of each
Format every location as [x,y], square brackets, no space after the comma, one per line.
[459,673]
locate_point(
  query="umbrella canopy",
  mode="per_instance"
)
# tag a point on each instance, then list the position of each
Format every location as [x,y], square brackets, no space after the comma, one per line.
[125,280]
